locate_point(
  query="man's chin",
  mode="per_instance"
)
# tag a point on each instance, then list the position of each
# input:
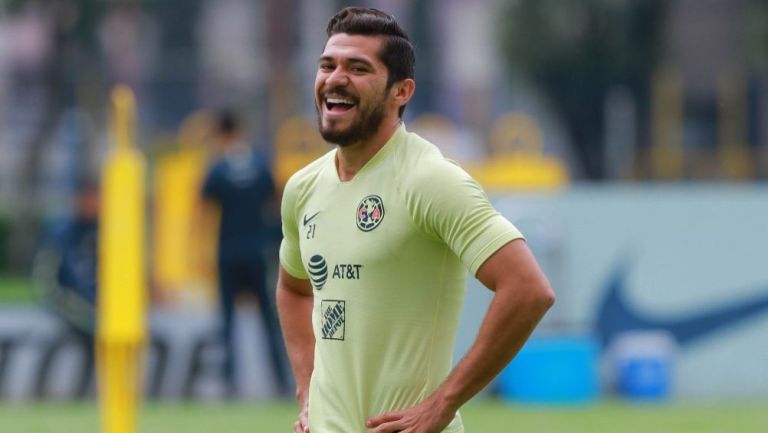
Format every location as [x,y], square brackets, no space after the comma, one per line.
[338,137]
[348,134]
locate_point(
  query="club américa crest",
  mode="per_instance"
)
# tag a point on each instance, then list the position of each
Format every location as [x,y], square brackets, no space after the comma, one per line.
[370,213]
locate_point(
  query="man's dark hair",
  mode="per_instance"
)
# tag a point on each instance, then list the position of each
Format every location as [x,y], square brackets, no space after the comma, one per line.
[396,54]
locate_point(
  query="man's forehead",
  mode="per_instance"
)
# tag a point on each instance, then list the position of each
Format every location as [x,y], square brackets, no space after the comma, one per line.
[346,45]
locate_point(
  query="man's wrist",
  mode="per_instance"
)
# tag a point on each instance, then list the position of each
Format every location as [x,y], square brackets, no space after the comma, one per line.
[448,400]
[301,395]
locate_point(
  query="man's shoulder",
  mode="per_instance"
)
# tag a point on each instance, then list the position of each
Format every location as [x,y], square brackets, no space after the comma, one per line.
[423,164]
[414,146]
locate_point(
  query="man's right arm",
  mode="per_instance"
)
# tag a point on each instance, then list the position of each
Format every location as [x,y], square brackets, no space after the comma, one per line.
[294,305]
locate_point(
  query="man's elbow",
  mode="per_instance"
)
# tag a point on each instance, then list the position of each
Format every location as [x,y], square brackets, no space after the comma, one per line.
[543,295]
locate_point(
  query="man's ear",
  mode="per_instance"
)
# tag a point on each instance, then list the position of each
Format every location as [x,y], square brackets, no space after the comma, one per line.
[403,91]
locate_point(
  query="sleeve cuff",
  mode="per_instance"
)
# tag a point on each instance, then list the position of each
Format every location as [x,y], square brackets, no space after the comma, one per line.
[491,247]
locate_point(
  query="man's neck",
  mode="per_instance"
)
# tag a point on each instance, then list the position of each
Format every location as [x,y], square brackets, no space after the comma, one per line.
[352,158]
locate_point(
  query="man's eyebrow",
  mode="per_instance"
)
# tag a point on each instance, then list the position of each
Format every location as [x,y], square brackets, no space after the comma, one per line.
[360,60]
[348,60]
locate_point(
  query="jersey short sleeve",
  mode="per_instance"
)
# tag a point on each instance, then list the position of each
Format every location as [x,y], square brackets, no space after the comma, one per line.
[448,204]
[290,253]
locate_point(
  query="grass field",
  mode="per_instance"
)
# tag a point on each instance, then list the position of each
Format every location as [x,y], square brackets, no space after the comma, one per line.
[16,290]
[481,417]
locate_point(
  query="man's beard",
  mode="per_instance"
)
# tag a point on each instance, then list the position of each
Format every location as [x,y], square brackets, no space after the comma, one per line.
[363,128]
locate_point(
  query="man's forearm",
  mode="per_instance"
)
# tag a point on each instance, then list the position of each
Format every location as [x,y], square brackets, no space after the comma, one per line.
[295,312]
[507,325]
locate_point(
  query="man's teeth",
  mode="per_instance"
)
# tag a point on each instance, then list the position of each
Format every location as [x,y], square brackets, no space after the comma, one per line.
[339,101]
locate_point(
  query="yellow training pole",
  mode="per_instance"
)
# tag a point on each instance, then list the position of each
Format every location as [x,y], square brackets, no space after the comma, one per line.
[121,330]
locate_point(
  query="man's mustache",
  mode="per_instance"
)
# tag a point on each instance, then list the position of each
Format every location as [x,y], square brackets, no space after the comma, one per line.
[338,91]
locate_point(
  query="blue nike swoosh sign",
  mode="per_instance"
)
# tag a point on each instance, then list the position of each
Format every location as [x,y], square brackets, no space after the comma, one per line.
[616,315]
[308,220]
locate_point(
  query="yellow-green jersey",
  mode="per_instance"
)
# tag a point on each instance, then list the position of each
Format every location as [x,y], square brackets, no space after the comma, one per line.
[387,255]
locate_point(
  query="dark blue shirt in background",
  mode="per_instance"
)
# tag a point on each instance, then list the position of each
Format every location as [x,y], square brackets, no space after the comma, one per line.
[242,185]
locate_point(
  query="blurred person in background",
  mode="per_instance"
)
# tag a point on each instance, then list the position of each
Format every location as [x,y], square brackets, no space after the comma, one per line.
[66,272]
[241,186]
[378,236]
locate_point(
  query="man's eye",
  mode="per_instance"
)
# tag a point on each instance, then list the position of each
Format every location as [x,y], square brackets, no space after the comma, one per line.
[358,69]
[326,67]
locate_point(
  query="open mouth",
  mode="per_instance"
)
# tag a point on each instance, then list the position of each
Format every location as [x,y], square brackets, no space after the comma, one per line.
[338,105]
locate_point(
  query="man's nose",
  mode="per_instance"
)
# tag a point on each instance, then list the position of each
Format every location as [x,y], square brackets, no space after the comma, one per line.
[338,77]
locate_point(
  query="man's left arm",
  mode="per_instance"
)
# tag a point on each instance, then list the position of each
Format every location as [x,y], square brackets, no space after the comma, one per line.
[522,297]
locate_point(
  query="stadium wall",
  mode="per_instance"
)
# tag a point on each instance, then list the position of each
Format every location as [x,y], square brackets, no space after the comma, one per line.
[687,260]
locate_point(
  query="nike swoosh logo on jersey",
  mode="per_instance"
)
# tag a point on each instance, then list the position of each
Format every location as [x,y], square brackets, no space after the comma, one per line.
[617,315]
[308,220]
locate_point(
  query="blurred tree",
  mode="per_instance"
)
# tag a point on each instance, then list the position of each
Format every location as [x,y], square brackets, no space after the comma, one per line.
[575,51]
[756,32]
[423,35]
[70,33]
[756,41]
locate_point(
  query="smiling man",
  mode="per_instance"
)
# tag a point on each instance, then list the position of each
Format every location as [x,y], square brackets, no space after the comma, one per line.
[378,236]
